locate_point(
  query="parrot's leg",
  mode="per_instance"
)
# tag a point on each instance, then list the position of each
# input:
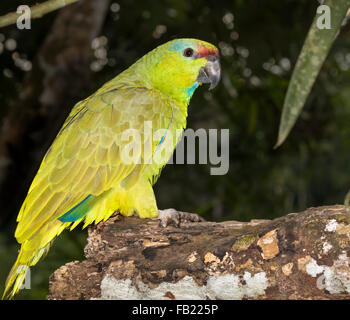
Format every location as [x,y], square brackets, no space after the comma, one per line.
[172,216]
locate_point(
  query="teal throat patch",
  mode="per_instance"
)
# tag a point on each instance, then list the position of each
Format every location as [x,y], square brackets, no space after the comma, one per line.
[190,91]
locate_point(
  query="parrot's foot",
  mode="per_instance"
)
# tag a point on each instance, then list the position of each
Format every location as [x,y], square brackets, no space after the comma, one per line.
[171,216]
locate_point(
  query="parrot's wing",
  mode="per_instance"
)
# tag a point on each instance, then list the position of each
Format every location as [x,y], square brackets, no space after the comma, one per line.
[86,157]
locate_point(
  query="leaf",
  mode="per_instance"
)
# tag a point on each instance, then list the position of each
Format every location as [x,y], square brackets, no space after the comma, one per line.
[310,61]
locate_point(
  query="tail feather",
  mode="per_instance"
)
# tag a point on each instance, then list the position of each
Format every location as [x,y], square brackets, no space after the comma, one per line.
[15,280]
[25,259]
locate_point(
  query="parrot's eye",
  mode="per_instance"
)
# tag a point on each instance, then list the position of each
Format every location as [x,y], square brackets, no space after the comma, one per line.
[188,52]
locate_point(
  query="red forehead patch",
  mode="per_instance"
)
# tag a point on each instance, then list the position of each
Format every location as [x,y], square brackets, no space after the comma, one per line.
[204,51]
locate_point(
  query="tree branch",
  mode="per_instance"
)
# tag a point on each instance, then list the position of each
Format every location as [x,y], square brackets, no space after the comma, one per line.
[36,11]
[297,256]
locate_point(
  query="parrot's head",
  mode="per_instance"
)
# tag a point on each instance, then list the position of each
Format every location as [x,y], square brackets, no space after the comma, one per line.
[179,66]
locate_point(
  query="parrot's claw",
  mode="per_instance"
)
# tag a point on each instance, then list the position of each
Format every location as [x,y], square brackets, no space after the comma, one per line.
[172,216]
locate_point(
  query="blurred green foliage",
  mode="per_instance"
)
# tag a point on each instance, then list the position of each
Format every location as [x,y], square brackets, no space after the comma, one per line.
[312,56]
[259,42]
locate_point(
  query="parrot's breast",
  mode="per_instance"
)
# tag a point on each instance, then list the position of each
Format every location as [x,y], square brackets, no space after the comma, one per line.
[165,143]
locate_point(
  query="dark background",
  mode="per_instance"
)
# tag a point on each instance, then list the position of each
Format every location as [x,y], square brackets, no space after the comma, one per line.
[69,54]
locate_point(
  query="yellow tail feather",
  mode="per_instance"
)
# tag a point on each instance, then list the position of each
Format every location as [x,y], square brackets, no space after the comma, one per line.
[31,252]
[14,280]
[25,259]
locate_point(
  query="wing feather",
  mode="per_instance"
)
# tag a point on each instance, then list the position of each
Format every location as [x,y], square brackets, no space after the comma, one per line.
[85,158]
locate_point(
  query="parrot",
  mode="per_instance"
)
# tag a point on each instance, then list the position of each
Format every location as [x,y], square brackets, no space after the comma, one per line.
[83,178]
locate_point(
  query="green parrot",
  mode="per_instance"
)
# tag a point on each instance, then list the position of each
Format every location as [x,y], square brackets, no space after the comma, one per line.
[84,176]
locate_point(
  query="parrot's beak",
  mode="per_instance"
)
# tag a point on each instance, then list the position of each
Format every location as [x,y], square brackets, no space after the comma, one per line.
[211,72]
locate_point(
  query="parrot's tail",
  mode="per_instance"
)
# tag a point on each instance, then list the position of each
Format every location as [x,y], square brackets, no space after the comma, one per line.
[27,257]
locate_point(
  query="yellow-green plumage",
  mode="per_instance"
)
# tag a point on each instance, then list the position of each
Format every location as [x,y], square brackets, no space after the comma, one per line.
[82,177]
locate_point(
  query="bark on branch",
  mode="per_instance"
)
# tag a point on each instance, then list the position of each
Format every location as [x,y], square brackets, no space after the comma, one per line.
[298,256]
